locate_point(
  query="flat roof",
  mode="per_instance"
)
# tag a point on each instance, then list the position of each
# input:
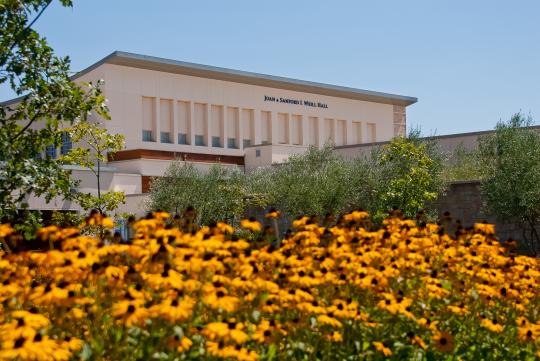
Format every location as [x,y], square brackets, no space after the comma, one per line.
[245,77]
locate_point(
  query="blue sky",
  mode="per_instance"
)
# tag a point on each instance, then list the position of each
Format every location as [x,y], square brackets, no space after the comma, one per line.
[470,63]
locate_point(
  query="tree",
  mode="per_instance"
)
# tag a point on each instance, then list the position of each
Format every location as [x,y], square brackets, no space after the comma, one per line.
[511,168]
[312,183]
[97,145]
[463,165]
[408,176]
[48,100]
[218,195]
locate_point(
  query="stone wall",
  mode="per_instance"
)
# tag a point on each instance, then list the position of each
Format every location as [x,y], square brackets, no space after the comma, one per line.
[464,201]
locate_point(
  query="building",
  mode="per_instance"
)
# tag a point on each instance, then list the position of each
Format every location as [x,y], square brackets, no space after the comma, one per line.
[171,110]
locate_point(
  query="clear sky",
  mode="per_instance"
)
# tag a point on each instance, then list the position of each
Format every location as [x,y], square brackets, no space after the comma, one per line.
[470,63]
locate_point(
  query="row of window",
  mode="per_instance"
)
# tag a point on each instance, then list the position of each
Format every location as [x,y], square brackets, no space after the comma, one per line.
[219,122]
[52,152]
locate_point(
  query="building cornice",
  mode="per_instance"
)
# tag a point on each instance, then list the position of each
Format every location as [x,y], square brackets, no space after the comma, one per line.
[237,76]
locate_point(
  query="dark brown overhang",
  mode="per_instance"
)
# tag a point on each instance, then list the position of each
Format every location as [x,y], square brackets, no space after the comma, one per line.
[168,155]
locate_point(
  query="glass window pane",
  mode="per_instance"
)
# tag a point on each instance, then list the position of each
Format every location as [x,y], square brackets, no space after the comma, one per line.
[199,140]
[231,143]
[165,137]
[50,151]
[182,138]
[216,142]
[147,136]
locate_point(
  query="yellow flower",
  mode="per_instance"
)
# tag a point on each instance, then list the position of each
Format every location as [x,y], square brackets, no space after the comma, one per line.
[251,224]
[493,326]
[185,345]
[379,346]
[444,342]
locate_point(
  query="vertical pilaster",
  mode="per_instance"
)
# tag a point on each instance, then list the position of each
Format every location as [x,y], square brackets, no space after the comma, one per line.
[274,131]
[225,130]
[240,129]
[288,130]
[256,126]
[320,132]
[175,121]
[157,114]
[192,126]
[304,129]
[349,132]
[208,135]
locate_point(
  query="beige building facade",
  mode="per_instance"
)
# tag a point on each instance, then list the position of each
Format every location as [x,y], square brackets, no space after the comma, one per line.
[170,110]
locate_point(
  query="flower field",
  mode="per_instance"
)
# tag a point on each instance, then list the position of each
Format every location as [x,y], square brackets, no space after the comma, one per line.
[404,292]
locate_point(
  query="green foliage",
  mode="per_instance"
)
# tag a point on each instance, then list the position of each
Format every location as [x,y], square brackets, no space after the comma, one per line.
[97,144]
[409,175]
[405,174]
[66,219]
[49,99]
[314,182]
[463,165]
[219,195]
[511,167]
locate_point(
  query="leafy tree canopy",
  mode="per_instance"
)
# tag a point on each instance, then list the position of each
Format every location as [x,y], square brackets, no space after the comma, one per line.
[48,100]
[511,167]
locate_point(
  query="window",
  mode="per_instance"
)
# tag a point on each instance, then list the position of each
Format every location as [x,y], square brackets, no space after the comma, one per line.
[165,137]
[201,126]
[233,118]
[38,156]
[148,119]
[147,136]
[296,129]
[66,143]
[216,125]
[199,140]
[50,151]
[372,132]
[248,129]
[341,132]
[266,127]
[182,138]
[313,131]
[329,131]
[283,128]
[165,120]
[231,143]
[357,132]
[247,143]
[216,142]
[184,118]
[257,153]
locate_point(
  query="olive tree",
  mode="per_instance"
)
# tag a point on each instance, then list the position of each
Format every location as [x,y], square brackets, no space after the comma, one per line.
[216,195]
[312,183]
[511,171]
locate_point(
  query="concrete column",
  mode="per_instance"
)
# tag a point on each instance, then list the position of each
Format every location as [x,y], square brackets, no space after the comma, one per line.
[208,134]
[349,139]
[334,131]
[176,121]
[191,134]
[320,132]
[158,119]
[225,133]
[304,129]
[240,129]
[288,130]
[256,126]
[273,128]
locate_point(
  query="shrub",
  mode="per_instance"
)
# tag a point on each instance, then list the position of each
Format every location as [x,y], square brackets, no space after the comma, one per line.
[511,167]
